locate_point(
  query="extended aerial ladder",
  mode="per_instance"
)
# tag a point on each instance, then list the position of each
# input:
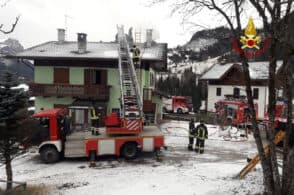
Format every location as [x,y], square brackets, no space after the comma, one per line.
[131,101]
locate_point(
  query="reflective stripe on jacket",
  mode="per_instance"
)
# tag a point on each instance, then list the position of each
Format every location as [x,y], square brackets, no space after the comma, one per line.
[201,132]
[93,114]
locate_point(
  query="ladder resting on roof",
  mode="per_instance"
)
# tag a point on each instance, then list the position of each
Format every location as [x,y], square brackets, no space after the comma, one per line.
[131,102]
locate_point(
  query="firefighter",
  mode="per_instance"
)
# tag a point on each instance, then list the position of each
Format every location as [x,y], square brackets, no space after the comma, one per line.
[94,121]
[191,134]
[201,135]
[136,55]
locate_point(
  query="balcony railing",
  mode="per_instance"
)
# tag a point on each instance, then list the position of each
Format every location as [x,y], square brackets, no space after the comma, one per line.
[100,92]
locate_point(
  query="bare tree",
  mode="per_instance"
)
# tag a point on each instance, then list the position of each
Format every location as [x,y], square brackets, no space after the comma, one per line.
[275,17]
[11,29]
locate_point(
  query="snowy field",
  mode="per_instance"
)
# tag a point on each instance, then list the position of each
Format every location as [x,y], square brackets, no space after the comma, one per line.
[180,172]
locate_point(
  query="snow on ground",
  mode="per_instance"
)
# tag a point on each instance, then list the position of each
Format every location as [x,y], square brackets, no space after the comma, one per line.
[180,172]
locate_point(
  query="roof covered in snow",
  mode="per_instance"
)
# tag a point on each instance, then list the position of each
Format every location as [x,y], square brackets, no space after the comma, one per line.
[197,67]
[258,70]
[95,50]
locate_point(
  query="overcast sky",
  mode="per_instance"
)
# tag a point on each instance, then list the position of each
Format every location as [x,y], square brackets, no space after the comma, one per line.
[98,18]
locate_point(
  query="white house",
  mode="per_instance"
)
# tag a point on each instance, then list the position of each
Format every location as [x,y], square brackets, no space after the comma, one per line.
[227,79]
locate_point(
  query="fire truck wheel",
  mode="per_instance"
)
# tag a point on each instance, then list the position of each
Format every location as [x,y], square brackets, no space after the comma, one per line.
[129,150]
[179,111]
[49,154]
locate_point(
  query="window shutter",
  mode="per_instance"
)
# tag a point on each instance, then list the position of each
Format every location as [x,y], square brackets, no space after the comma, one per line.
[61,75]
[87,76]
[103,77]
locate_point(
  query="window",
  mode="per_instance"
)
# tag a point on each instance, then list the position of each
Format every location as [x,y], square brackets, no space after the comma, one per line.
[255,93]
[61,75]
[147,94]
[152,81]
[218,91]
[44,127]
[79,116]
[97,77]
[236,92]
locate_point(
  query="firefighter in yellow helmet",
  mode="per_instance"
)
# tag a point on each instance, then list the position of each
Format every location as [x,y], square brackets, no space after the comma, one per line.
[94,121]
[136,55]
[201,135]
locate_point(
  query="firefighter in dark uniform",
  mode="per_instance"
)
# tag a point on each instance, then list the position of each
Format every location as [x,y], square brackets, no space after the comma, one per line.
[136,55]
[201,135]
[191,134]
[94,121]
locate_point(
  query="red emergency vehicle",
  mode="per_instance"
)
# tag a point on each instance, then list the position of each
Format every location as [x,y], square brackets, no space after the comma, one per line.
[280,121]
[234,111]
[58,140]
[175,104]
[280,113]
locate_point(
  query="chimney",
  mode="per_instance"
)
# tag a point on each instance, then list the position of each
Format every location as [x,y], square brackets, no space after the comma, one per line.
[60,35]
[148,37]
[82,43]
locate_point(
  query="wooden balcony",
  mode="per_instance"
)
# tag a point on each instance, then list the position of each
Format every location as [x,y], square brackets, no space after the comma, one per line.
[98,92]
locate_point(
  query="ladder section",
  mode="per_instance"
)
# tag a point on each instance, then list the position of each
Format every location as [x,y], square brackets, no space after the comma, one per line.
[130,94]
[278,138]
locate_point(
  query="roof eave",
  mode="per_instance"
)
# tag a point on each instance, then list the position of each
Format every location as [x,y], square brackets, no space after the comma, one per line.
[76,58]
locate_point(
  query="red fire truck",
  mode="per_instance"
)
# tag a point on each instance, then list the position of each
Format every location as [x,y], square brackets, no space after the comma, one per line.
[58,140]
[280,113]
[124,133]
[234,111]
[280,121]
[175,104]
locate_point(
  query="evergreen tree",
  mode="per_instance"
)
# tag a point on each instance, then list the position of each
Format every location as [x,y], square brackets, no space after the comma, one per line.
[175,58]
[15,129]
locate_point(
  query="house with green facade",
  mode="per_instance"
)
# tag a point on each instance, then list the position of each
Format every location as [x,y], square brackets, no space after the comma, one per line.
[85,74]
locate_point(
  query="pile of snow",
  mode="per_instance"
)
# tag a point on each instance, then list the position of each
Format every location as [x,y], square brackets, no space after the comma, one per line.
[181,128]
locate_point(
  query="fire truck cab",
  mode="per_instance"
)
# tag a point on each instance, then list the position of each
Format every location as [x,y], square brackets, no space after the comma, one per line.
[175,104]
